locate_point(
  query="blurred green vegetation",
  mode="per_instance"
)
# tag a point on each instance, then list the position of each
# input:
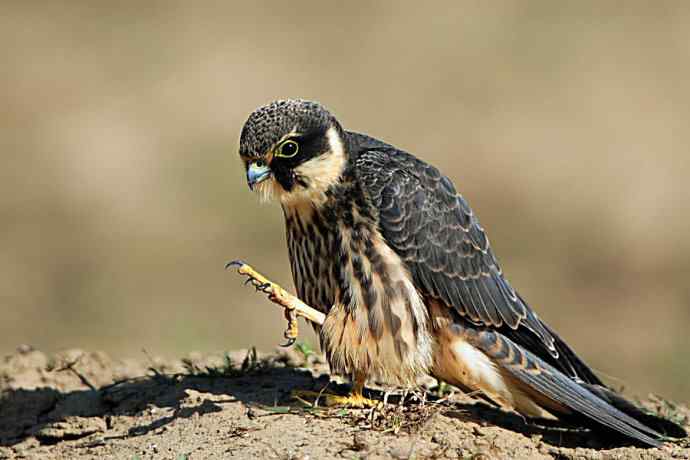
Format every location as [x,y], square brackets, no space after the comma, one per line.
[121,194]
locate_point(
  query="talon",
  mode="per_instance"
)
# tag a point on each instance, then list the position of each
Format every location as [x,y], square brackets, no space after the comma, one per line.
[290,342]
[292,331]
[248,280]
[263,287]
[234,263]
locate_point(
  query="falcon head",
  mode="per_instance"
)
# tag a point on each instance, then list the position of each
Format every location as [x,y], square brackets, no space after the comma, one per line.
[292,150]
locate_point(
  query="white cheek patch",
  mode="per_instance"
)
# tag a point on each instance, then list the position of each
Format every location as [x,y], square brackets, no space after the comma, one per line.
[319,173]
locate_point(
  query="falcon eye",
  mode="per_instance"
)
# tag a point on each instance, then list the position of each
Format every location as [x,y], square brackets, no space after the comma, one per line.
[288,149]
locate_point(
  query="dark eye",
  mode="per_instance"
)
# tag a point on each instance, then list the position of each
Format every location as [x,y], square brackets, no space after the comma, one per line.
[288,149]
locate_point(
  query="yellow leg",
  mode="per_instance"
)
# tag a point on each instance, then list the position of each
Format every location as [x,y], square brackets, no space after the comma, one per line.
[355,399]
[293,306]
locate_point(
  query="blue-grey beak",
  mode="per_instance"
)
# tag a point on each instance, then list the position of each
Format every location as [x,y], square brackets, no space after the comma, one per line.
[257,173]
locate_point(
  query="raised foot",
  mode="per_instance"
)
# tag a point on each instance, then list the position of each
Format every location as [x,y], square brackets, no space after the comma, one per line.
[293,306]
[353,400]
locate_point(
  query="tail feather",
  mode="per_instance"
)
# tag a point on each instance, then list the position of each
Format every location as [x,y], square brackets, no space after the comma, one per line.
[594,402]
[659,424]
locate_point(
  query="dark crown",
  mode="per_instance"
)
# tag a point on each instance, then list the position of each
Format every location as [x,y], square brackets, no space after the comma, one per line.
[267,124]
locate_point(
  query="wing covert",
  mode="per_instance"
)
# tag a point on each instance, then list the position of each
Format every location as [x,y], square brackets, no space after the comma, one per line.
[432,228]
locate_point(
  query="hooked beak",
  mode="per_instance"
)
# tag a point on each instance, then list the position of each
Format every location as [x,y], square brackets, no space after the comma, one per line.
[257,173]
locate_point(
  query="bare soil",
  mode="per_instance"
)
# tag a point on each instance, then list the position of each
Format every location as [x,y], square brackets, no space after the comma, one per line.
[79,405]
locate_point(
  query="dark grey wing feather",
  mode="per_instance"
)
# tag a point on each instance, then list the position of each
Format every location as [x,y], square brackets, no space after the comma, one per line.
[535,375]
[433,229]
[440,239]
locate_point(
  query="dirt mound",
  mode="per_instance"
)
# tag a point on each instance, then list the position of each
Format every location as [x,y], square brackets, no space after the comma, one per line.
[80,404]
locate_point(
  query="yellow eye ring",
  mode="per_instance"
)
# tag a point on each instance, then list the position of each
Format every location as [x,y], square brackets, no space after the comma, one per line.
[287,149]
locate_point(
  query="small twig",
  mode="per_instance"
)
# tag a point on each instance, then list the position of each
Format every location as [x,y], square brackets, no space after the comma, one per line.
[70,367]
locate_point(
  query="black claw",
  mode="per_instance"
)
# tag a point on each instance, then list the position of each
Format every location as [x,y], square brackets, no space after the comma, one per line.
[248,280]
[263,287]
[234,263]
[289,343]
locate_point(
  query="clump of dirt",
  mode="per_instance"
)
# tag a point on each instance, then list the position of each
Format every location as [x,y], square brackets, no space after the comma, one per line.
[80,404]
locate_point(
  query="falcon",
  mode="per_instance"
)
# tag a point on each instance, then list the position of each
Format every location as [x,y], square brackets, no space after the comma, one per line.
[404,280]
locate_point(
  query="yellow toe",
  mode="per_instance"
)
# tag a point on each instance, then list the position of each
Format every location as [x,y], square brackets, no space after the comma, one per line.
[353,400]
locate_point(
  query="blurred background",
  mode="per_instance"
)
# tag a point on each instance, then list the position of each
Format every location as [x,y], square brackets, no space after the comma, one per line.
[566,125]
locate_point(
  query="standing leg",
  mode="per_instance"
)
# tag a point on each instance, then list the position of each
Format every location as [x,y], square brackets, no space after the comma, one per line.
[355,399]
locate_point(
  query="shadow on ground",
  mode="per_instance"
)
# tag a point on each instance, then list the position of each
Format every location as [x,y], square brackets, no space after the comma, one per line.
[52,415]
[54,411]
